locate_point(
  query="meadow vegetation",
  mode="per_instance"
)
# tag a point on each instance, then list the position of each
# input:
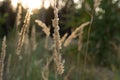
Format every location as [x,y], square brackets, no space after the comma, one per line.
[81,44]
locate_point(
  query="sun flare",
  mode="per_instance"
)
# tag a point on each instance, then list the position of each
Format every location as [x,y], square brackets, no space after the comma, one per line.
[14,3]
[31,4]
[76,1]
[46,4]
[1,0]
[34,4]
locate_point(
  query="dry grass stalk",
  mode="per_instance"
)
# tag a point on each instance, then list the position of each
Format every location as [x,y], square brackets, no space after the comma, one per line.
[69,72]
[18,18]
[75,33]
[33,38]
[59,62]
[2,57]
[80,40]
[57,44]
[63,38]
[8,66]
[46,43]
[45,70]
[44,27]
[23,32]
[27,44]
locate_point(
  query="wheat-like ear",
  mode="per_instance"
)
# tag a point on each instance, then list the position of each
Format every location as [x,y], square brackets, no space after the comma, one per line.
[2,57]
[57,43]
[75,33]
[64,38]
[18,18]
[59,62]
[44,27]
[23,32]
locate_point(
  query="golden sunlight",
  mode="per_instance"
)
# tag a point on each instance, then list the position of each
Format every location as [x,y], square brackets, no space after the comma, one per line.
[76,1]
[34,4]
[46,4]
[31,4]
[14,3]
[24,3]
[1,0]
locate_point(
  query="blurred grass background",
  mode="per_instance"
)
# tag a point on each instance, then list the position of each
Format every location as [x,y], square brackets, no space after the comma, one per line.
[103,55]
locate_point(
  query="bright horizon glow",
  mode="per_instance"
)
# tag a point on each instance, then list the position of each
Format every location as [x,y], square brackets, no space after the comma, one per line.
[46,4]
[34,4]
[31,4]
[76,1]
[1,0]
[14,3]
[24,3]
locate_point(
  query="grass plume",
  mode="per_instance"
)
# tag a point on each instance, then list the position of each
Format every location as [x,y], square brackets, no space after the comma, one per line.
[64,38]
[57,43]
[18,18]
[23,32]
[44,27]
[75,33]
